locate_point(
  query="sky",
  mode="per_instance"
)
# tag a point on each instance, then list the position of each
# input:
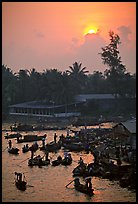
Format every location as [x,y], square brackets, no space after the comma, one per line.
[54,35]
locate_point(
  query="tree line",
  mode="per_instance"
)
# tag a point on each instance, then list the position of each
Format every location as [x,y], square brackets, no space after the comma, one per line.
[54,86]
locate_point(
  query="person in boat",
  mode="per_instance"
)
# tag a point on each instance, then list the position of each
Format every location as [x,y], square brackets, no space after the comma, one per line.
[80,162]
[10,143]
[43,142]
[18,176]
[69,156]
[55,137]
[76,182]
[27,146]
[119,162]
[59,158]
[88,183]
[32,152]
[11,128]
[65,155]
[46,155]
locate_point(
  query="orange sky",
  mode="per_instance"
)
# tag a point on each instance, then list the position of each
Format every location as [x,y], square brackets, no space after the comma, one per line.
[45,35]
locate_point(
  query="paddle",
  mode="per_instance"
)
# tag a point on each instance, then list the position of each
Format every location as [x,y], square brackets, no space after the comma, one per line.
[24,160]
[29,185]
[5,149]
[69,183]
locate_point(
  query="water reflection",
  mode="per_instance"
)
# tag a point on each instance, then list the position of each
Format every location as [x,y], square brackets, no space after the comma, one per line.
[47,184]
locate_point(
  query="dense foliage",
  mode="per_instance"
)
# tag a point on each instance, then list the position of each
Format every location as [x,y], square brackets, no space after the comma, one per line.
[61,87]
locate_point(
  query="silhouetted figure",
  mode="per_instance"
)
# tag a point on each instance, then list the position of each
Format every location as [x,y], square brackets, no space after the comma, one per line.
[76,182]
[88,183]
[55,137]
[18,176]
[10,143]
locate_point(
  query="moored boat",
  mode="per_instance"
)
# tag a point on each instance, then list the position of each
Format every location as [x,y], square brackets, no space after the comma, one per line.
[57,162]
[37,161]
[14,135]
[30,138]
[13,150]
[83,189]
[67,160]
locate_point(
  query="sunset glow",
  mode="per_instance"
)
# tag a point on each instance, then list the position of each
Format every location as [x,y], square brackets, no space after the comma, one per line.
[90,30]
[35,33]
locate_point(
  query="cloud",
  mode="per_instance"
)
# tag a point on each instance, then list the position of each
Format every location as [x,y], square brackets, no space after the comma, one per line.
[39,34]
[87,53]
[124,33]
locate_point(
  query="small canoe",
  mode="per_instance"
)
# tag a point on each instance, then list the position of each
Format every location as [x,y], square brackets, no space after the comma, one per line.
[21,185]
[66,161]
[57,162]
[83,189]
[37,161]
[13,150]
[14,135]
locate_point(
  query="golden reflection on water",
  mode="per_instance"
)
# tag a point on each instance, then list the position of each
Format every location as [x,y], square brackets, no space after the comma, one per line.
[47,184]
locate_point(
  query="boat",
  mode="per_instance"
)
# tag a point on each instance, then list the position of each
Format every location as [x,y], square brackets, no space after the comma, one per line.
[74,146]
[21,185]
[37,161]
[30,138]
[52,146]
[83,189]
[14,135]
[21,127]
[67,160]
[13,150]
[25,149]
[19,182]
[57,162]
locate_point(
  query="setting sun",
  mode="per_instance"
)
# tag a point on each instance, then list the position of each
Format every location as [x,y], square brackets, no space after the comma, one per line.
[90,30]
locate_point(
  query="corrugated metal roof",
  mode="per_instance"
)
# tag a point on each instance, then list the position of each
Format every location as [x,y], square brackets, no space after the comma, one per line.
[38,104]
[130,125]
[84,97]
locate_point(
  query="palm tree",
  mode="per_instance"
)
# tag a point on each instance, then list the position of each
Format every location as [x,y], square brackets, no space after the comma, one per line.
[78,77]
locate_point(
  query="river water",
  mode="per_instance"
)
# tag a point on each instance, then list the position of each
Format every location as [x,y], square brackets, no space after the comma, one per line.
[48,184]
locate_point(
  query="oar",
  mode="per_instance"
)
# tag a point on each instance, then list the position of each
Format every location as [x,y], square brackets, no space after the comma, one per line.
[69,183]
[5,149]
[24,160]
[29,185]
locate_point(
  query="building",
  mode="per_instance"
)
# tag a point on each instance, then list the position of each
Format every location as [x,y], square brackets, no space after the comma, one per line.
[127,132]
[42,110]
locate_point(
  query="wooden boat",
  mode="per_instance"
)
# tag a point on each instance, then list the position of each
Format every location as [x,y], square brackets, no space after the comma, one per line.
[57,162]
[79,171]
[25,149]
[13,150]
[66,161]
[21,127]
[74,146]
[52,146]
[21,185]
[14,135]
[30,138]
[37,161]
[83,189]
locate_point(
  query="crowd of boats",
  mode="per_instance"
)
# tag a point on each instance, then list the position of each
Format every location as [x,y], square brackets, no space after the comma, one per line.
[111,160]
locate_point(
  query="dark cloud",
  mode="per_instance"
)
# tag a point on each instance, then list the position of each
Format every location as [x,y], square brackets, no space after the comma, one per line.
[124,33]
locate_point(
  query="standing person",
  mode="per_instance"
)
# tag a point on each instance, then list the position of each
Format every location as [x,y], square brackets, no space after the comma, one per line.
[10,143]
[88,183]
[43,142]
[32,152]
[46,155]
[55,137]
